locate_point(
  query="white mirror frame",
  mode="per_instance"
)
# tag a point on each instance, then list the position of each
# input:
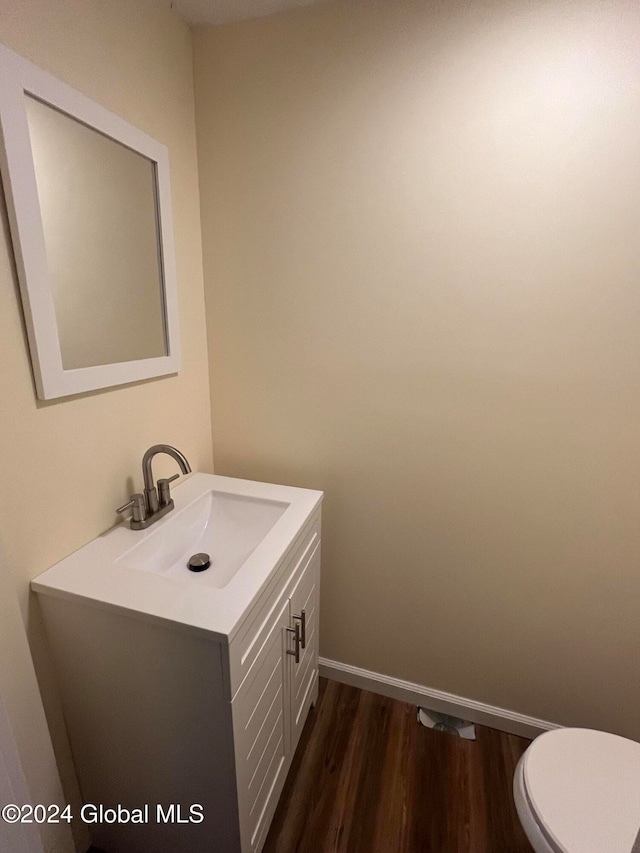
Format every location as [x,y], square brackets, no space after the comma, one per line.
[20,77]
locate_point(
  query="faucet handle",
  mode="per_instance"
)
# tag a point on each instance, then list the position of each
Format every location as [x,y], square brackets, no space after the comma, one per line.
[136,505]
[164,493]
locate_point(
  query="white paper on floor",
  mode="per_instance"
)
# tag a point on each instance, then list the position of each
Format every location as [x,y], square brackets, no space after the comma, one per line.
[446,723]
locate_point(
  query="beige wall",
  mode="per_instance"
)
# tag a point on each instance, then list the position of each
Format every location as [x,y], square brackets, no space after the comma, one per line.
[66,464]
[420,229]
[20,696]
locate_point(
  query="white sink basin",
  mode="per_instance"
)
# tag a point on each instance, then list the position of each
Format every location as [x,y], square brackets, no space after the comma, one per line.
[247,528]
[225,526]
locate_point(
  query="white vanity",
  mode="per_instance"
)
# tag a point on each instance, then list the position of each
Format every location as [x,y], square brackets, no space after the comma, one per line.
[190,688]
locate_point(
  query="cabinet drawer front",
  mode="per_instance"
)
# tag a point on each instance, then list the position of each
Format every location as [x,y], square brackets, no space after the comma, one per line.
[250,640]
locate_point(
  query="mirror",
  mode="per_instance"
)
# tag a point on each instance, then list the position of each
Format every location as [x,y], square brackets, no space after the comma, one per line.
[89,203]
[100,224]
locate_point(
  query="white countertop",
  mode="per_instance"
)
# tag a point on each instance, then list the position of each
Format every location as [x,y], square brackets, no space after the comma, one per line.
[94,573]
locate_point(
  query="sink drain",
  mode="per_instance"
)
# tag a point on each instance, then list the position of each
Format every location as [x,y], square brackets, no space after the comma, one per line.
[199,562]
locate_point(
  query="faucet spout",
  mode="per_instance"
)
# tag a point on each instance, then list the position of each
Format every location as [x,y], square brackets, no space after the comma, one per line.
[150,493]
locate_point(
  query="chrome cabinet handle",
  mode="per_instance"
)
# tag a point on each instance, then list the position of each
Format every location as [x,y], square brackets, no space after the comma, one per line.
[302,618]
[296,650]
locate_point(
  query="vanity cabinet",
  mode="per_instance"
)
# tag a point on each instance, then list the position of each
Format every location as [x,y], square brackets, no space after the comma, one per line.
[272,702]
[161,714]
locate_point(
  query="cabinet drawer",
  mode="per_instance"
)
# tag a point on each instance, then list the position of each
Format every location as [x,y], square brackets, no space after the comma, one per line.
[250,639]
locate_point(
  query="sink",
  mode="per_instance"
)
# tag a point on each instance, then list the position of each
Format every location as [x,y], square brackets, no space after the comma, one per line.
[200,673]
[245,527]
[227,527]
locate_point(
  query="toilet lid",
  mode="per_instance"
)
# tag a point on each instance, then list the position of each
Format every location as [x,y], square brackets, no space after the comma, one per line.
[583,787]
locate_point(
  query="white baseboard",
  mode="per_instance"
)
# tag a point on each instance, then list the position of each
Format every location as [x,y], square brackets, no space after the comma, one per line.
[437,700]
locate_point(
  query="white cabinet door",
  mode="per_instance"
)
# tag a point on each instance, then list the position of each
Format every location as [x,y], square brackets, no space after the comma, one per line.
[303,674]
[261,735]
[270,707]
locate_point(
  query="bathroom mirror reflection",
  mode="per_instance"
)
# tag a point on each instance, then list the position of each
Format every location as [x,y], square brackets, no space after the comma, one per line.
[89,203]
[100,223]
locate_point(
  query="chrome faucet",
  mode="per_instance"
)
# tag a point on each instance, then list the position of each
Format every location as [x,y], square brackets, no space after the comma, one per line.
[149,507]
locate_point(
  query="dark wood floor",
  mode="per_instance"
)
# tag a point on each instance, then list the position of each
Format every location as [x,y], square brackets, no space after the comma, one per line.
[368,778]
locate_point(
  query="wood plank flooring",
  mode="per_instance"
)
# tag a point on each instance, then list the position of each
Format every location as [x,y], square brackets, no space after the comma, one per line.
[368,778]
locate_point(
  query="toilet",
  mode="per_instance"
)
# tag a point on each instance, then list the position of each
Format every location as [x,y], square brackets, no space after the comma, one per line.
[578,791]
